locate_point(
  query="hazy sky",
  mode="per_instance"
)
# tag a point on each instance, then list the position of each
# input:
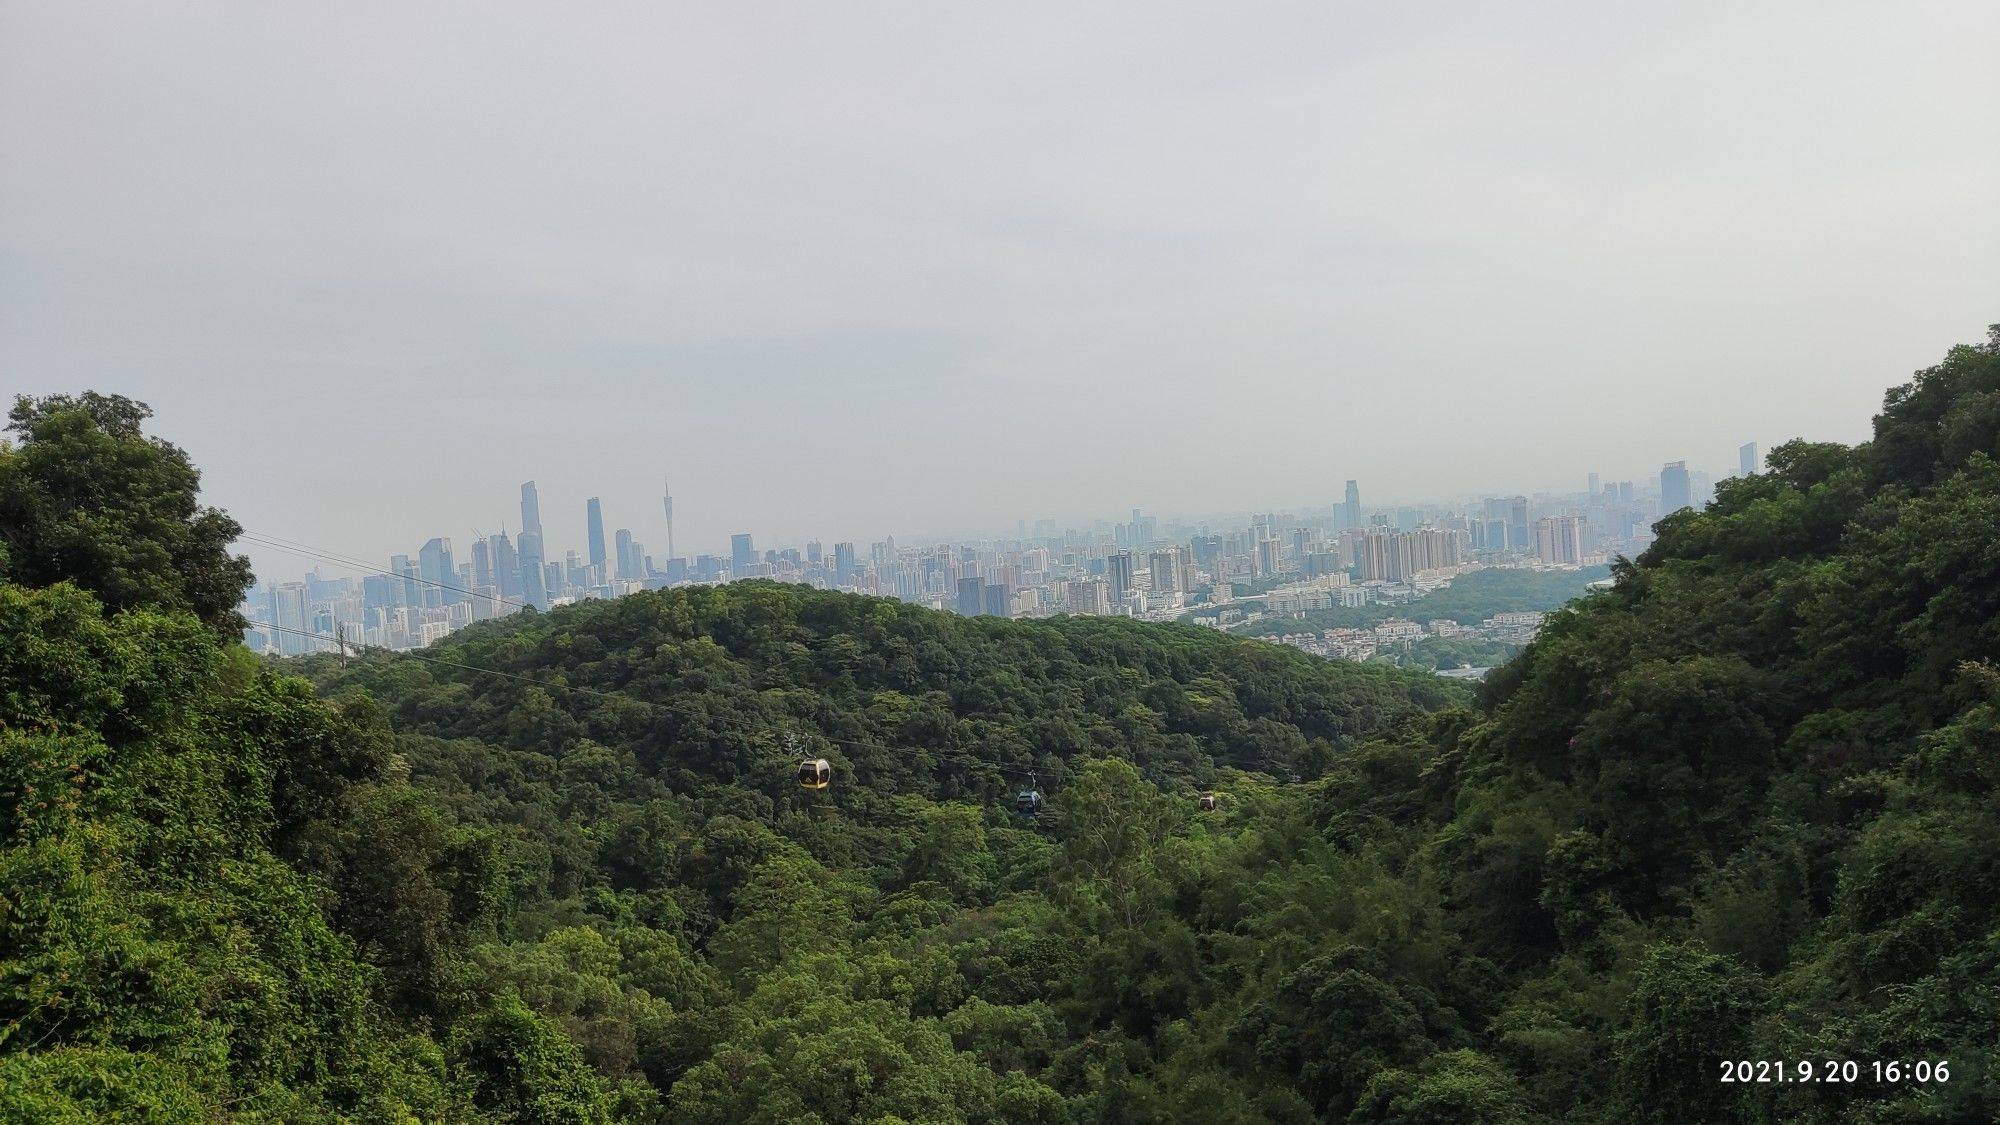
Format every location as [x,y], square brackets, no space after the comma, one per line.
[846,270]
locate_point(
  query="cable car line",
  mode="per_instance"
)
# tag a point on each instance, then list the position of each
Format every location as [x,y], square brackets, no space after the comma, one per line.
[306,550]
[1027,802]
[613,695]
[279,543]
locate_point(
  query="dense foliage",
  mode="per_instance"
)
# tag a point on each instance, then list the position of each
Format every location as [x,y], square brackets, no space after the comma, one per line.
[1740,806]
[189,842]
[85,497]
[901,944]
[1449,652]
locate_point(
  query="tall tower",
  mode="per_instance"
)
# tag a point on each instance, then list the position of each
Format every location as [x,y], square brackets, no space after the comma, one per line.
[1676,488]
[440,576]
[531,510]
[1118,573]
[1351,507]
[594,520]
[667,488]
[534,583]
[1746,458]
[623,544]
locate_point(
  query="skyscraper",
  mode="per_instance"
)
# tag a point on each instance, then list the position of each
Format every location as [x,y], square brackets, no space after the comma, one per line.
[1559,540]
[667,502]
[1676,488]
[1207,551]
[1118,577]
[593,513]
[1166,570]
[1267,557]
[288,615]
[531,510]
[623,555]
[999,600]
[534,582]
[1746,458]
[482,565]
[1372,557]
[1351,507]
[1088,595]
[506,566]
[1593,484]
[843,564]
[742,556]
[434,565]
[971,598]
[1517,524]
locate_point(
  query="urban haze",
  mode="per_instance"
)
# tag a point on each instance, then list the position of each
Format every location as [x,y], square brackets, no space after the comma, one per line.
[869,271]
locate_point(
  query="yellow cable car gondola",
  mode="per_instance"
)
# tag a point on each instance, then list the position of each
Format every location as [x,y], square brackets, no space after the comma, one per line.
[1208,802]
[815,773]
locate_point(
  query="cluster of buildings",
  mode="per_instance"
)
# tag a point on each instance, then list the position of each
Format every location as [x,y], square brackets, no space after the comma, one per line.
[1336,554]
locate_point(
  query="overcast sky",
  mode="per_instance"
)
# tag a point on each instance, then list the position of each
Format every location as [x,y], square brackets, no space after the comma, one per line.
[847,270]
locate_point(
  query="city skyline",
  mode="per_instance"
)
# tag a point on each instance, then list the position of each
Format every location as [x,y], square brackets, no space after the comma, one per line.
[667,527]
[933,270]
[593,541]
[1282,564]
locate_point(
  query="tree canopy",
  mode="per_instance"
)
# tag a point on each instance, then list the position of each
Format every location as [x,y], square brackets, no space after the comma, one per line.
[86,497]
[1741,805]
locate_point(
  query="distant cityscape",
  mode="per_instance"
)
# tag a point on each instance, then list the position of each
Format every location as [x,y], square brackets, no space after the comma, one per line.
[1275,565]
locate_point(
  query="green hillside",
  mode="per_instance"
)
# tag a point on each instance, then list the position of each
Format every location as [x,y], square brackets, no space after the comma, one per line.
[1742,806]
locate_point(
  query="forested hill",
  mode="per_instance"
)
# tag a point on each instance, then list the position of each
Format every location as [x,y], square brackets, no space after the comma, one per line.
[706,687]
[1745,805]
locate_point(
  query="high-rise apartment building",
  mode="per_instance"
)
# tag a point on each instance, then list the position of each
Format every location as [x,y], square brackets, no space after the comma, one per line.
[1165,567]
[1747,461]
[1267,558]
[1089,595]
[1118,576]
[1372,556]
[1559,540]
[1393,556]
[288,614]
